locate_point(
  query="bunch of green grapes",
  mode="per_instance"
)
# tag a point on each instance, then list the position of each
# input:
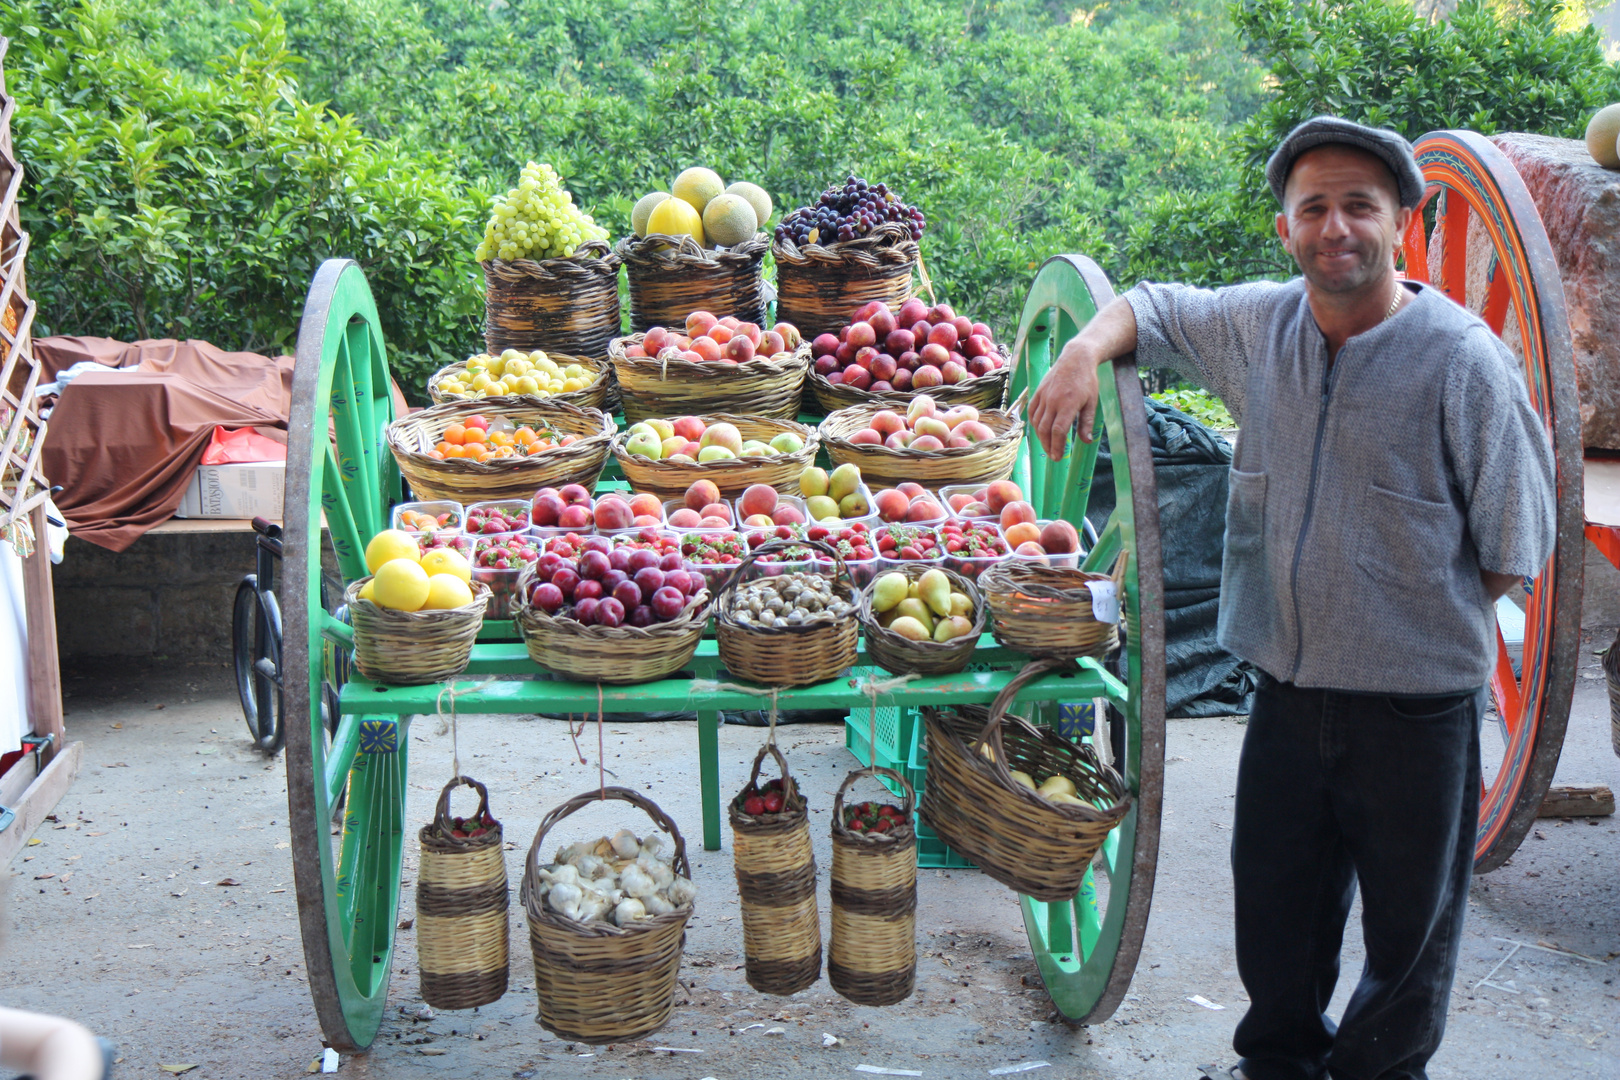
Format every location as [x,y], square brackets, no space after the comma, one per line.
[537,220]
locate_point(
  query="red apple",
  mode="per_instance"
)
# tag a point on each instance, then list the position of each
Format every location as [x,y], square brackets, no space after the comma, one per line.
[897,342]
[575,495]
[858,377]
[824,345]
[937,314]
[934,355]
[912,311]
[883,369]
[826,365]
[882,321]
[901,379]
[545,510]
[953,373]
[861,334]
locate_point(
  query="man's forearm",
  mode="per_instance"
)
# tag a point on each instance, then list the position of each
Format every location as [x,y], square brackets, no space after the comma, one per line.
[1110,333]
[1068,393]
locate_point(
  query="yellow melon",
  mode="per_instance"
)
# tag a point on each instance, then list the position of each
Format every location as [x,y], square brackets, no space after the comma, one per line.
[643,209]
[675,217]
[697,186]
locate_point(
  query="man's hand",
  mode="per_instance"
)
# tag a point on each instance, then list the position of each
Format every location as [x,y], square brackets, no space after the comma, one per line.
[1068,392]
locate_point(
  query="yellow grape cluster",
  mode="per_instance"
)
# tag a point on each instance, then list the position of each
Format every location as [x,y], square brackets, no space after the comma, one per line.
[537,220]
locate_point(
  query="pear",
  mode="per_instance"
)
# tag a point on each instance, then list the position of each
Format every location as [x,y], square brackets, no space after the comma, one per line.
[911,590]
[845,480]
[821,507]
[853,505]
[813,481]
[888,591]
[934,589]
[1024,778]
[961,605]
[1062,799]
[951,627]
[907,627]
[917,610]
[1056,785]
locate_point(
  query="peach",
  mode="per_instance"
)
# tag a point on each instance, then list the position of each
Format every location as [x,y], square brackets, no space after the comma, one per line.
[701,494]
[613,512]
[1023,532]
[574,516]
[887,422]
[576,495]
[758,521]
[730,322]
[980,365]
[932,425]
[645,520]
[924,510]
[749,330]
[657,337]
[706,348]
[720,335]
[899,342]
[788,333]
[634,350]
[1001,492]
[1059,538]
[1016,512]
[771,343]
[1030,550]
[912,489]
[912,311]
[926,442]
[867,437]
[757,499]
[692,357]
[959,502]
[926,377]
[722,434]
[975,432]
[787,514]
[689,428]
[892,504]
[977,345]
[717,510]
[956,442]
[978,510]
[867,310]
[899,440]
[959,415]
[699,323]
[964,327]
[865,355]
[739,349]
[686,518]
[714,522]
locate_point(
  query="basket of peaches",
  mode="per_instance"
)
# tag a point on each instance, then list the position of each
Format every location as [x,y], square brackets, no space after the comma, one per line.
[711,364]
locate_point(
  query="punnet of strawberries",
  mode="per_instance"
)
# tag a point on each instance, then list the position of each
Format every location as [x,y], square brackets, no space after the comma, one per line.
[873,817]
[473,826]
[768,798]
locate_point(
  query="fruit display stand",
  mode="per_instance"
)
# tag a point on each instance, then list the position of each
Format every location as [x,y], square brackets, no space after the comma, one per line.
[339,464]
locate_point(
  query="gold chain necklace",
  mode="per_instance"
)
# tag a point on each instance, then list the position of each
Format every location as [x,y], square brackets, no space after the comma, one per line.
[1394,302]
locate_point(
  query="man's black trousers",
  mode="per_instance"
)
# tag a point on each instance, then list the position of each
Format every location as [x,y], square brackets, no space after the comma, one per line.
[1336,789]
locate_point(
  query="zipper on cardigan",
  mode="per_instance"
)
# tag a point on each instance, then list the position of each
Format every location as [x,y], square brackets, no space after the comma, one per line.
[1305,521]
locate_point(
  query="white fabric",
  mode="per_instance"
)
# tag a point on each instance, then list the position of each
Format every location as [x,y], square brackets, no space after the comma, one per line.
[13,652]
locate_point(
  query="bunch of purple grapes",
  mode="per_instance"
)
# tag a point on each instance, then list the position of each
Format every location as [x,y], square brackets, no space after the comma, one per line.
[848,213]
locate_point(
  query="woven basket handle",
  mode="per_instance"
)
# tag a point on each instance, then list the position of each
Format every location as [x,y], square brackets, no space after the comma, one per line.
[991,735]
[770,547]
[908,801]
[441,816]
[790,787]
[531,866]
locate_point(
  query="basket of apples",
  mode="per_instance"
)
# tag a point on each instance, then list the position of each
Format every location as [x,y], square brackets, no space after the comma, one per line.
[889,353]
[665,457]
[613,614]
[926,444]
[711,365]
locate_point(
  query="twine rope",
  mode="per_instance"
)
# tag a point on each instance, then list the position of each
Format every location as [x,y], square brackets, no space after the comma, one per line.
[872,689]
[709,686]
[455,692]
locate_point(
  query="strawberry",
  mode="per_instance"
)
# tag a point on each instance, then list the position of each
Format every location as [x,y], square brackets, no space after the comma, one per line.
[773,802]
[753,806]
[856,826]
[883,825]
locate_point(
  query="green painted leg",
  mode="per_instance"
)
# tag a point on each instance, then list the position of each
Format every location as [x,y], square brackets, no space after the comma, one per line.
[709,773]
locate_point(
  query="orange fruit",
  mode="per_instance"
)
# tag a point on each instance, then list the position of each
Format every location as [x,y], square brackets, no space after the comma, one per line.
[455,434]
[473,435]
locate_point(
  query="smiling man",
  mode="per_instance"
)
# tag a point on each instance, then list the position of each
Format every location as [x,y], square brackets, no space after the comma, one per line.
[1391,481]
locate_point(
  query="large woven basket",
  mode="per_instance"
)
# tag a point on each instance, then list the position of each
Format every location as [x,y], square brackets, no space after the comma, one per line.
[413,648]
[670,479]
[872,955]
[666,385]
[600,983]
[672,276]
[609,654]
[901,655]
[593,396]
[461,904]
[1047,610]
[884,466]
[981,391]
[776,882]
[411,437]
[789,655]
[818,285]
[570,305]
[1040,848]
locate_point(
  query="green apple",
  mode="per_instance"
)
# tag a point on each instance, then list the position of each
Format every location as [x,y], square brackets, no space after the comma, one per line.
[755,448]
[672,445]
[643,428]
[665,428]
[714,453]
[787,443]
[645,443]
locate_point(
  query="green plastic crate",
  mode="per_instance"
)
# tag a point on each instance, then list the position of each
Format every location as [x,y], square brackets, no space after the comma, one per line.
[932,852]
[896,726]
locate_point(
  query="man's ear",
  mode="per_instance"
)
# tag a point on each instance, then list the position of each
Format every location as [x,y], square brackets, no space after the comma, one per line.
[1403,221]
[1282,227]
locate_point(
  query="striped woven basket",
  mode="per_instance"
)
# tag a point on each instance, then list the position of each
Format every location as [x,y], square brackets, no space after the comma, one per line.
[461,905]
[873,955]
[776,881]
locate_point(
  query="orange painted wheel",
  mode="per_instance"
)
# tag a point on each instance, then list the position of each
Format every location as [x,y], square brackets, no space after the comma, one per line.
[1476,198]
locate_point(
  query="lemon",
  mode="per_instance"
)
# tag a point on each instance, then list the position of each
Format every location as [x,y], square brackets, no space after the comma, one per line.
[447,591]
[388,545]
[675,217]
[695,187]
[400,584]
[447,561]
[366,592]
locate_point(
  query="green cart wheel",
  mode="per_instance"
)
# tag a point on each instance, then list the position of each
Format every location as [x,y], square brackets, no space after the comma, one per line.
[1087,949]
[338,467]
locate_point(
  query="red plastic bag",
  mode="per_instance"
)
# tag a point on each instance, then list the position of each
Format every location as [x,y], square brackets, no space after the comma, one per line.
[242,445]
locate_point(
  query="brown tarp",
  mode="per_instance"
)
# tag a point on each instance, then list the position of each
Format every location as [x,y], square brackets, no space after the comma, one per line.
[123,446]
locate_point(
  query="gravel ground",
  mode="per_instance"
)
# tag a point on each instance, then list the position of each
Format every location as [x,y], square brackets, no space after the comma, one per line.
[160,910]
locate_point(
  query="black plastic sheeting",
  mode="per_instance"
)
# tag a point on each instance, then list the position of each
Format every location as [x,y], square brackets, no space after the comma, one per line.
[1190,463]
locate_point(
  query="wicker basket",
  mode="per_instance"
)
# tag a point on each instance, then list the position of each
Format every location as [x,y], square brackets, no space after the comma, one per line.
[776,882]
[981,391]
[884,466]
[789,655]
[1040,848]
[872,955]
[413,648]
[901,655]
[669,386]
[411,437]
[819,285]
[1046,610]
[570,305]
[616,654]
[593,396]
[673,276]
[600,983]
[461,903]
[670,479]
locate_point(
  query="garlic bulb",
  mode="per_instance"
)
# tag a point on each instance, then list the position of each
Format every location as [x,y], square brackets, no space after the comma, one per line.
[628,911]
[571,853]
[654,846]
[560,875]
[591,868]
[593,904]
[657,904]
[636,882]
[682,892]
[564,900]
[625,844]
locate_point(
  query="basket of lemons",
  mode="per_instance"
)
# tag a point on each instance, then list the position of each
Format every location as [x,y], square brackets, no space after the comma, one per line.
[416,617]
[578,380]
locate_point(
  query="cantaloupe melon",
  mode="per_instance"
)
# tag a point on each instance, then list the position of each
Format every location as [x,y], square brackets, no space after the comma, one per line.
[728,220]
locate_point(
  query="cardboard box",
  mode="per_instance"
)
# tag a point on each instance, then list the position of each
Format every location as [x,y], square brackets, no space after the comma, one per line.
[246,490]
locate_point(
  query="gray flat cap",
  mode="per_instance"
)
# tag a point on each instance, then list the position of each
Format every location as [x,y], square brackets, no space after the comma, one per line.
[1393,150]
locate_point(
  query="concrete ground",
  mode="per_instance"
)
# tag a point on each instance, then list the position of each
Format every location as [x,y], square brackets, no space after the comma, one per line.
[158,910]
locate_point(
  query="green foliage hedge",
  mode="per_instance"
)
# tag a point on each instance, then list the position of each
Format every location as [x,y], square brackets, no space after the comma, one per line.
[190,162]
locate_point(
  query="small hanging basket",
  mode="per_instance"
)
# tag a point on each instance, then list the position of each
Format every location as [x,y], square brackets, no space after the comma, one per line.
[817,286]
[872,958]
[791,655]
[461,905]
[1048,610]
[567,305]
[1028,843]
[597,982]
[413,648]
[673,276]
[776,881]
